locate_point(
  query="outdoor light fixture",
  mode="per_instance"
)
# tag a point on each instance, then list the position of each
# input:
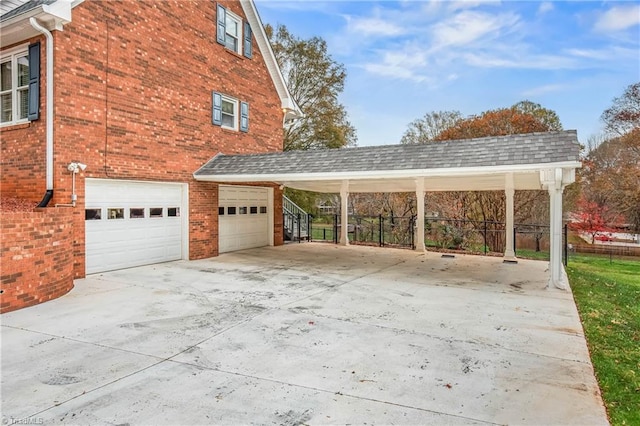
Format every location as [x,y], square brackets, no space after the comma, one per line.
[74,168]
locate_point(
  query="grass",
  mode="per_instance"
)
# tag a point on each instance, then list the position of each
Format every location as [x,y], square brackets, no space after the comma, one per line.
[532,254]
[607,294]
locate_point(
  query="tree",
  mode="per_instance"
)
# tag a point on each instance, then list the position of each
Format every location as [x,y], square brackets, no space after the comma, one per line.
[498,122]
[315,81]
[611,176]
[427,128]
[547,117]
[624,115]
[590,219]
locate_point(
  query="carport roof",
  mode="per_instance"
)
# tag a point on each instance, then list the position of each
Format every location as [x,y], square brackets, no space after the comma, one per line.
[395,167]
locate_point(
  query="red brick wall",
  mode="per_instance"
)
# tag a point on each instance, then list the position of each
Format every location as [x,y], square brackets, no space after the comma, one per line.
[36,256]
[22,165]
[133,83]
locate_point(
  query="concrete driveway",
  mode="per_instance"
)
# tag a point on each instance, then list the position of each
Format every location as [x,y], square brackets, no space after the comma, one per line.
[304,334]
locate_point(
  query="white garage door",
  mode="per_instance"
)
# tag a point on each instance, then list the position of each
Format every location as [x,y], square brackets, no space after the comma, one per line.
[244,217]
[132,223]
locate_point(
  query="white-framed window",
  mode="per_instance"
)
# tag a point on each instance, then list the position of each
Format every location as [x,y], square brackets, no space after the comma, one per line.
[233,32]
[229,113]
[14,87]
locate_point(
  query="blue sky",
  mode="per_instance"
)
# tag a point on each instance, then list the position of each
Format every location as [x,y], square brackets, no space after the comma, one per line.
[407,58]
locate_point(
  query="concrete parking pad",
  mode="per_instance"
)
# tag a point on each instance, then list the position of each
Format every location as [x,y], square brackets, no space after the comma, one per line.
[304,334]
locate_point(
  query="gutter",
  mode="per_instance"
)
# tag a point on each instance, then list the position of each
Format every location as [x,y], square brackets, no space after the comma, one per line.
[49,126]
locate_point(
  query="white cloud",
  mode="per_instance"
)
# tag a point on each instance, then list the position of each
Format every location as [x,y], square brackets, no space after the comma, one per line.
[521,61]
[618,18]
[471,4]
[545,7]
[373,27]
[467,27]
[541,90]
[609,53]
[406,63]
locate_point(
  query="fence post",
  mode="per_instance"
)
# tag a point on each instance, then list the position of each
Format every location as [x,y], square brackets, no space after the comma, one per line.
[485,236]
[514,240]
[566,246]
[298,226]
[309,229]
[381,222]
[335,229]
[413,231]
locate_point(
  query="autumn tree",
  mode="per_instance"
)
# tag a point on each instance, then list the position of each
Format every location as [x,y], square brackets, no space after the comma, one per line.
[547,117]
[591,218]
[611,176]
[427,128]
[315,80]
[624,115]
[501,122]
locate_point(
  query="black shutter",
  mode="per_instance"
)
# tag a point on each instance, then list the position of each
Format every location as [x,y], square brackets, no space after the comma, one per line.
[216,114]
[221,28]
[247,40]
[244,116]
[34,82]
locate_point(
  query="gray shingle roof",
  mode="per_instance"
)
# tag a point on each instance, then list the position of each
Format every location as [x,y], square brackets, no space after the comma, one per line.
[523,149]
[32,4]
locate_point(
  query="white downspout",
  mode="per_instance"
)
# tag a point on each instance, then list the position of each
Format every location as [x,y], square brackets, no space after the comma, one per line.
[49,105]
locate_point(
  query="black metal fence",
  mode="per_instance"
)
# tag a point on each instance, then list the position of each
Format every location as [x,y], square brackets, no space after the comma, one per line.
[393,231]
[442,234]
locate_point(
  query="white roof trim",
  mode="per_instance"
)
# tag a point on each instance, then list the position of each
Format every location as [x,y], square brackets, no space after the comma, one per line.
[52,16]
[288,104]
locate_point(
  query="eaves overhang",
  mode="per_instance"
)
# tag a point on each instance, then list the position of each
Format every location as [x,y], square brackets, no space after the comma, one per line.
[289,107]
[15,27]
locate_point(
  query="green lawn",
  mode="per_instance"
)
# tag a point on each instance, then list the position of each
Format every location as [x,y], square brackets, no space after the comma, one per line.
[607,294]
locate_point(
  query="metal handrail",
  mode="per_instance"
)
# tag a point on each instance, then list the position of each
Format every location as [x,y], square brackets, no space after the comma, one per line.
[296,220]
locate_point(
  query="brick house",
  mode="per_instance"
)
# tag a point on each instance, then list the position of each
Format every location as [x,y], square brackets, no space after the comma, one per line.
[144,93]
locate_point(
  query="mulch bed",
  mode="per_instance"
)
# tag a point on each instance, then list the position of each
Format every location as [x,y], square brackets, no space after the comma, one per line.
[13,205]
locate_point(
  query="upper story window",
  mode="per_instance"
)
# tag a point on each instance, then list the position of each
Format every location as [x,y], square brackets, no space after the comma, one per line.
[14,88]
[20,85]
[229,113]
[233,32]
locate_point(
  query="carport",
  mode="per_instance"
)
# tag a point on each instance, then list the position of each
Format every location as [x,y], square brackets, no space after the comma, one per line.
[534,161]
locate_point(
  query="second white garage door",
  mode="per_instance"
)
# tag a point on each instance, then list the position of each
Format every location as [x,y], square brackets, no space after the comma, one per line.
[244,217]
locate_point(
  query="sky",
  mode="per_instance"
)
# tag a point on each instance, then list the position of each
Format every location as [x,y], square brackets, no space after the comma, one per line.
[407,58]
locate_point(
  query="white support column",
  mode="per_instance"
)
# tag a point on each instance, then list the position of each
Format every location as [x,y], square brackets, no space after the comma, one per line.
[344,213]
[420,217]
[509,251]
[556,276]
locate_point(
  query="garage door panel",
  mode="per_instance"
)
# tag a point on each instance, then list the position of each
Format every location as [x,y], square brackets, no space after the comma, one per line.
[132,241]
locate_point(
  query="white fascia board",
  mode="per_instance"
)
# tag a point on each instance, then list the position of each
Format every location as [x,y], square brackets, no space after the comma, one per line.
[389,174]
[288,104]
[52,16]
